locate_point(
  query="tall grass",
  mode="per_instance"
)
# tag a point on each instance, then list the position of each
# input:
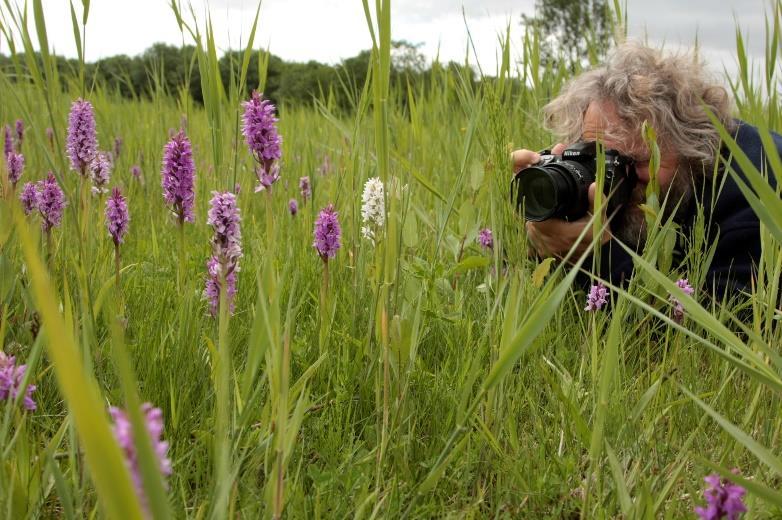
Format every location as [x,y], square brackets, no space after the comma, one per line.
[438,379]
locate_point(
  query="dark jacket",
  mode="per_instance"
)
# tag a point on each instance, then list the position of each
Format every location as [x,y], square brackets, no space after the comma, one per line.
[730,218]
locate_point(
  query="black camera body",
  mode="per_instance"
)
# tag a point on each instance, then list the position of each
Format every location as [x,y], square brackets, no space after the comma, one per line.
[558,185]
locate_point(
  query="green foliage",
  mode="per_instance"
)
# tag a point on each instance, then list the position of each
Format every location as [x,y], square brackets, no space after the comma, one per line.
[169,68]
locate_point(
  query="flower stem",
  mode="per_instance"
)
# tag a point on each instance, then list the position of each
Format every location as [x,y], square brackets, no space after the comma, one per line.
[386,382]
[49,254]
[282,427]
[222,402]
[83,217]
[118,286]
[324,313]
[269,221]
[182,257]
[116,267]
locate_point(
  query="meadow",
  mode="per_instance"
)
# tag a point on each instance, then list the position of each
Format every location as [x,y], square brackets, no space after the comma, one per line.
[420,373]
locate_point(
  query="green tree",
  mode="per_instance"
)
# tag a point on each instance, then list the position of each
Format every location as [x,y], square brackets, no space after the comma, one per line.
[405,57]
[576,31]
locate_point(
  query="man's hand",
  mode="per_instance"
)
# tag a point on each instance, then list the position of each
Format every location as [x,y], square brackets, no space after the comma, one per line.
[555,237]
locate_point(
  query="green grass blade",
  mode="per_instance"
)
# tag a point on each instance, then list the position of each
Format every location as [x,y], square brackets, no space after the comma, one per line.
[541,312]
[152,479]
[763,198]
[625,501]
[749,361]
[763,454]
[104,459]
[248,51]
[76,33]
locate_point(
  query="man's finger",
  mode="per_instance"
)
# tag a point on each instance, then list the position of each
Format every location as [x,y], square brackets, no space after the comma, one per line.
[523,158]
[558,149]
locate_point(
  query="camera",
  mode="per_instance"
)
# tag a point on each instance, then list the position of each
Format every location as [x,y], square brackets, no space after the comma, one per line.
[557,186]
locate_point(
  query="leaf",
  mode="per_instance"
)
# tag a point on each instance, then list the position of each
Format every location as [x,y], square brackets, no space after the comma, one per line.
[40,27]
[467,218]
[541,271]
[649,211]
[62,487]
[621,486]
[607,374]
[248,50]
[471,262]
[410,230]
[644,401]
[76,33]
[86,4]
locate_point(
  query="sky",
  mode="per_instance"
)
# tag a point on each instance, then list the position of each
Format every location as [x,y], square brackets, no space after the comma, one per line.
[331,30]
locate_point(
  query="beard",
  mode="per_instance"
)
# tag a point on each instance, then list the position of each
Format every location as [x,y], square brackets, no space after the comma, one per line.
[629,224]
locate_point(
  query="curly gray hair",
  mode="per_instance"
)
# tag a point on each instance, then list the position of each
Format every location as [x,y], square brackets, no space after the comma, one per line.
[668,91]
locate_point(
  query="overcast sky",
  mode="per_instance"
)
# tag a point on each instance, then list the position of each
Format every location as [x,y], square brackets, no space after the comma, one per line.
[330,30]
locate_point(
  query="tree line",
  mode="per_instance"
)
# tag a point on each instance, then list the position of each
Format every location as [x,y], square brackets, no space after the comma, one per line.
[167,69]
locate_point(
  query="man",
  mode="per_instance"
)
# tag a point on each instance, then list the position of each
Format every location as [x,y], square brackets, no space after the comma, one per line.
[611,103]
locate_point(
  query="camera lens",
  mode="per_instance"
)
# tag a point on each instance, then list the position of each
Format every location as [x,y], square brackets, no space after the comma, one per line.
[554,190]
[538,192]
